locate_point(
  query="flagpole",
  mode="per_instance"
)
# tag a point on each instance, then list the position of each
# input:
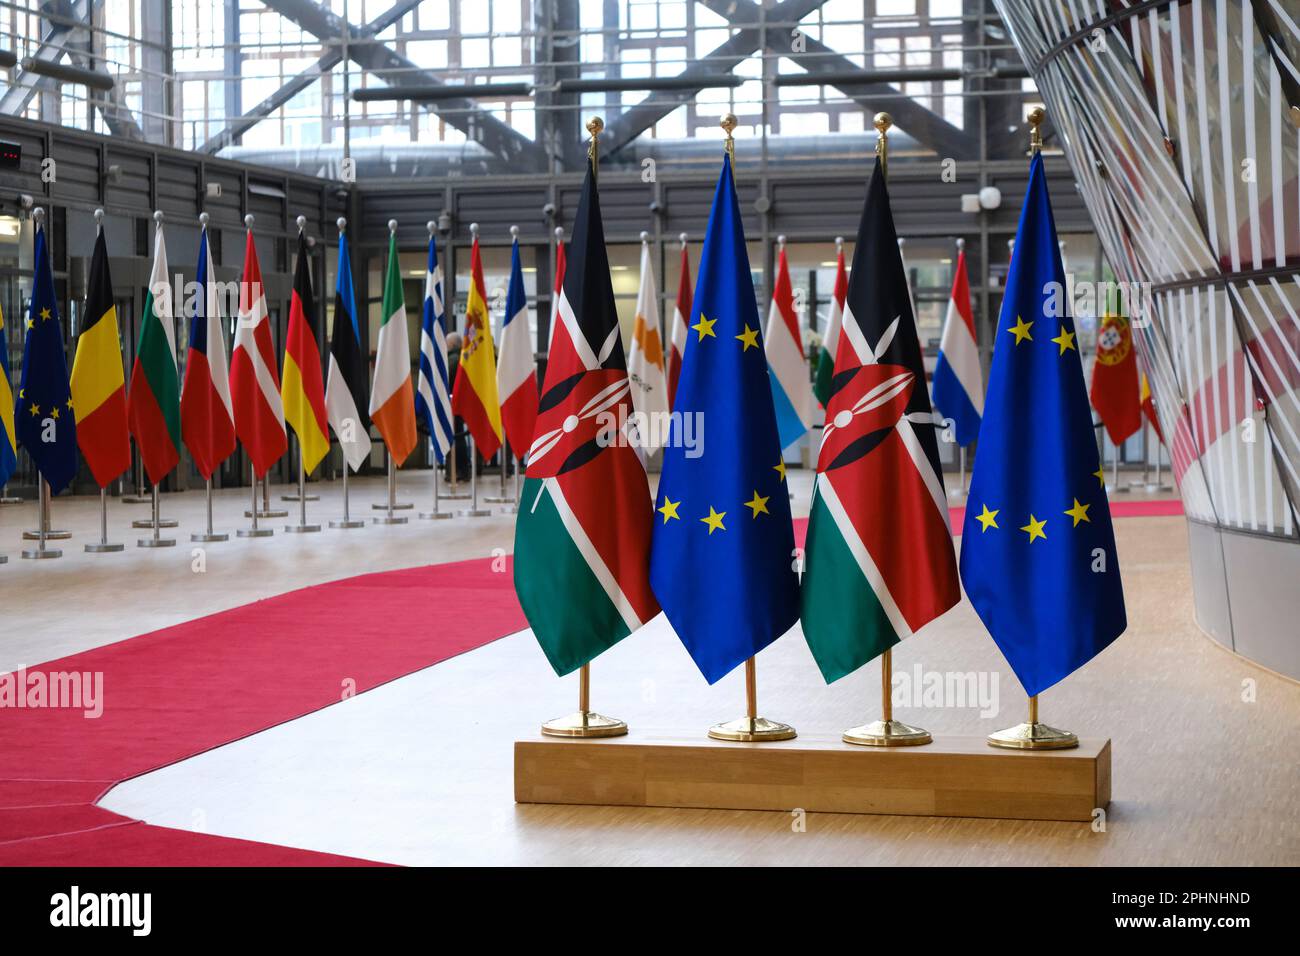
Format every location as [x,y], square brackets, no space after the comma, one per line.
[253,531]
[302,527]
[347,521]
[584,723]
[473,511]
[42,524]
[436,513]
[156,540]
[751,727]
[1033,735]
[888,732]
[388,517]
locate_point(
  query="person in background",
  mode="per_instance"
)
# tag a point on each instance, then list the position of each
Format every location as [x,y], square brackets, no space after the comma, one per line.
[459,445]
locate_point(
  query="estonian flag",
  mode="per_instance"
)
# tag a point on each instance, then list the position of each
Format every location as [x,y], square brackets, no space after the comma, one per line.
[45,422]
[1038,551]
[723,558]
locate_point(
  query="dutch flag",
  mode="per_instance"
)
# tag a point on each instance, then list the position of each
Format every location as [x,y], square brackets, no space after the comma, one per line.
[786,363]
[958,382]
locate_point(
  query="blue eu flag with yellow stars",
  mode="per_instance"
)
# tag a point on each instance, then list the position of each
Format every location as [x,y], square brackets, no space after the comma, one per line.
[43,413]
[722,561]
[1038,549]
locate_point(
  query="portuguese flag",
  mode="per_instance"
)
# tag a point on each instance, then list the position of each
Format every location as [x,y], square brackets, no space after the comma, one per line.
[582,540]
[154,404]
[98,386]
[879,555]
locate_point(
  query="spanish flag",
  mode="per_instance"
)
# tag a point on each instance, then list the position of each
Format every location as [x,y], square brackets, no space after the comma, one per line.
[98,383]
[474,396]
[392,397]
[302,388]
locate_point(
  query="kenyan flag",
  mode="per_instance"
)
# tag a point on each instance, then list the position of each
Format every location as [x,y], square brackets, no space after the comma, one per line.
[879,556]
[582,541]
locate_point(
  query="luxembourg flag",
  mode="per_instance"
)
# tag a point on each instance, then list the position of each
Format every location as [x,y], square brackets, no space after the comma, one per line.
[786,365]
[958,388]
[516,368]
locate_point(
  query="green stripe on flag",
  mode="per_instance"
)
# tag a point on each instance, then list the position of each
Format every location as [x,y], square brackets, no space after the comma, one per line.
[159,367]
[570,613]
[844,622]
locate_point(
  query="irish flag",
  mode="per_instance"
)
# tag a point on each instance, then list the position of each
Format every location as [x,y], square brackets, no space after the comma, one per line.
[582,541]
[791,389]
[474,395]
[392,397]
[153,405]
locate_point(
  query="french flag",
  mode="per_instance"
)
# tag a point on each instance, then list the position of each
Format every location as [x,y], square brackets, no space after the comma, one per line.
[786,365]
[516,367]
[958,388]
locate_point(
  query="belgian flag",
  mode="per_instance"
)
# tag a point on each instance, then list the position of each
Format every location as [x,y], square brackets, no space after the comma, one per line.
[98,383]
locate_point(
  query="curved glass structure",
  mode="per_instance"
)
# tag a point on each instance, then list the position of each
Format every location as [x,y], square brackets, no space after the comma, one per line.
[1182,123]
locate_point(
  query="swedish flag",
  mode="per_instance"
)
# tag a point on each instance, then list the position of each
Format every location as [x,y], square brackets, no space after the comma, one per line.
[722,559]
[45,423]
[1038,550]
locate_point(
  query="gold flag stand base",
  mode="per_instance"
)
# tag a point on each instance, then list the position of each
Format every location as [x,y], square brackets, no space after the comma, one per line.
[752,729]
[584,723]
[887,733]
[1032,735]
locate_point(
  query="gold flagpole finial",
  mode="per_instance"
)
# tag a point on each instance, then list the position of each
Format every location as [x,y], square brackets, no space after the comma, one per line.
[729,124]
[882,122]
[1036,117]
[594,126]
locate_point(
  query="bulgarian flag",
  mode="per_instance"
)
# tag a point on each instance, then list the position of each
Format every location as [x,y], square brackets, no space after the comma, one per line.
[474,395]
[254,384]
[98,386]
[831,340]
[677,337]
[392,397]
[302,387]
[582,541]
[153,405]
[879,555]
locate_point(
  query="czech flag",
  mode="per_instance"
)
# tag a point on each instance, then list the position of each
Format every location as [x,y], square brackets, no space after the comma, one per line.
[207,417]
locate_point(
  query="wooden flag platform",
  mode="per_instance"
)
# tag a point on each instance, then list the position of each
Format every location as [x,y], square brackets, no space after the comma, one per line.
[952,777]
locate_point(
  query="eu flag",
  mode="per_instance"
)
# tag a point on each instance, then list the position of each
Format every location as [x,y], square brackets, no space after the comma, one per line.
[46,426]
[722,560]
[1038,550]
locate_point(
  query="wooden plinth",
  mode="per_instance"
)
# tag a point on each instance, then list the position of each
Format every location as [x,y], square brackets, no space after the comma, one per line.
[952,777]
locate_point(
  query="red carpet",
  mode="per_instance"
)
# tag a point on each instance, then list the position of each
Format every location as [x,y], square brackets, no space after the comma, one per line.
[180,691]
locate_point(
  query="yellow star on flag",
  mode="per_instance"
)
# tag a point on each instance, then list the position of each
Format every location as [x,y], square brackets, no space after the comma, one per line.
[1100,475]
[986,519]
[45,313]
[714,520]
[704,327]
[1035,529]
[669,509]
[1079,512]
[1021,330]
[54,412]
[758,504]
[1065,340]
[779,467]
[31,324]
[69,403]
[35,409]
[748,338]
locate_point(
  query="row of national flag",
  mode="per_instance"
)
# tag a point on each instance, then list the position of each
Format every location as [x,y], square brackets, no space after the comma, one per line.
[714,550]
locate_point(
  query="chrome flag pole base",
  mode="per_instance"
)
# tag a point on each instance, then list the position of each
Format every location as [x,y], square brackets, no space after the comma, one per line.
[390,519]
[474,513]
[205,538]
[37,554]
[1033,737]
[584,723]
[397,506]
[148,523]
[155,542]
[268,513]
[255,532]
[57,535]
[301,528]
[348,523]
[887,733]
[435,515]
[755,729]
[498,500]
[100,547]
[294,497]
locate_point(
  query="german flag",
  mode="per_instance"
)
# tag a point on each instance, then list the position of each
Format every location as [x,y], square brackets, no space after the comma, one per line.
[98,384]
[302,387]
